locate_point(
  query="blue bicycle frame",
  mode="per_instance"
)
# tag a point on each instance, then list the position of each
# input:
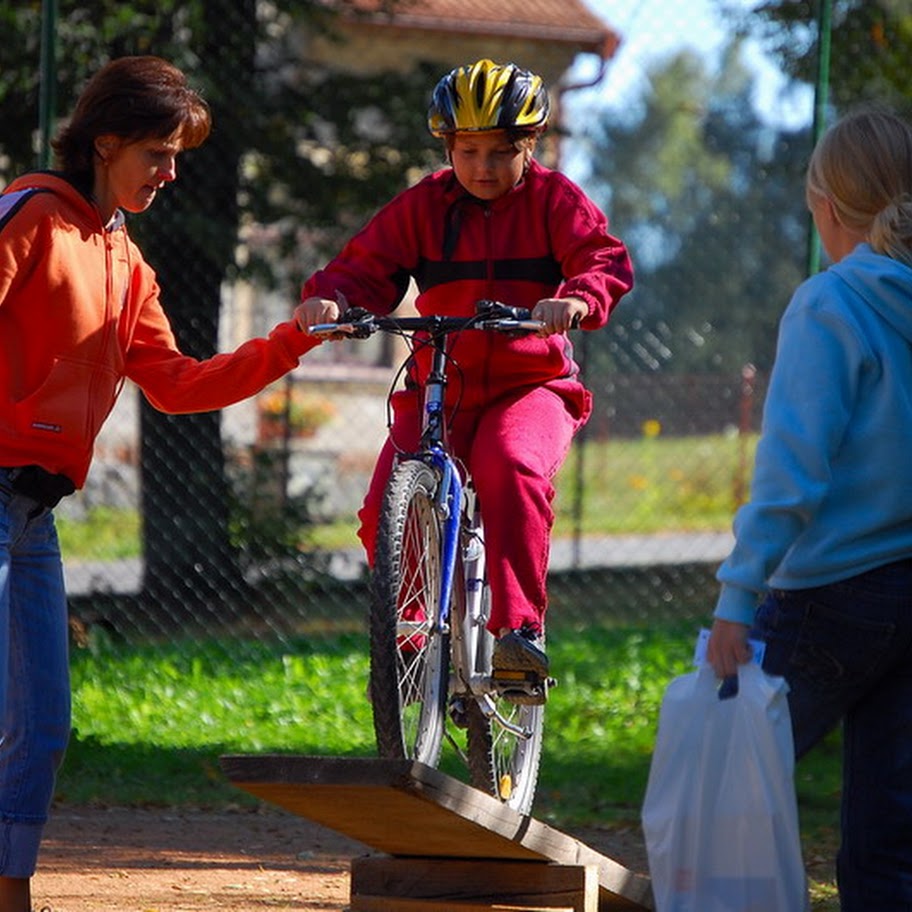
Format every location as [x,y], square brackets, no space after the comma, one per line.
[432,451]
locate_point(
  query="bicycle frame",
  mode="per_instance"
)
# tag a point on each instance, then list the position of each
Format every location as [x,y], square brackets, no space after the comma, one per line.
[432,449]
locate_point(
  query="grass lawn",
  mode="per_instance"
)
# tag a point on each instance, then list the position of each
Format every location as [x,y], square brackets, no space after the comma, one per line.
[152,721]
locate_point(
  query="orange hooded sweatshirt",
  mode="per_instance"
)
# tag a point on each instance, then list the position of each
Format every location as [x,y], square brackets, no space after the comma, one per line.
[79,312]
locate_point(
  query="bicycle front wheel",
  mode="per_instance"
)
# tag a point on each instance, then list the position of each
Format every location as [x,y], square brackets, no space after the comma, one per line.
[409,642]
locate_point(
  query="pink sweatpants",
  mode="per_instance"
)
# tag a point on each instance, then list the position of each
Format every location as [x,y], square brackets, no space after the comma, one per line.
[513,448]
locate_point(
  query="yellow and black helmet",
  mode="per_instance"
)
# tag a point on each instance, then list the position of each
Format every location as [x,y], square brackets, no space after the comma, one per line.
[488,96]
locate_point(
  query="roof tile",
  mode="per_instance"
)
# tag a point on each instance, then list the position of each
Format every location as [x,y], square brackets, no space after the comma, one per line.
[561,20]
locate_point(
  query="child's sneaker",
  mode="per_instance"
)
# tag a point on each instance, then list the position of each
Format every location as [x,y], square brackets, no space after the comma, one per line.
[520,667]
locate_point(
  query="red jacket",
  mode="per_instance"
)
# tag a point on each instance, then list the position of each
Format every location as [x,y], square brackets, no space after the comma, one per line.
[544,238]
[79,312]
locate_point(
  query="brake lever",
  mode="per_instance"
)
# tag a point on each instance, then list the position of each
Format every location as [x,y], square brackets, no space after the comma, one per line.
[495,310]
[510,325]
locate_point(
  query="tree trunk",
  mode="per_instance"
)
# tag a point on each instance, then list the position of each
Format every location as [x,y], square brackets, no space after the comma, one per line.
[191,568]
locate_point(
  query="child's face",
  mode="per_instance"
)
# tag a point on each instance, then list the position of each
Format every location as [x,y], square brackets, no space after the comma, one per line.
[487,164]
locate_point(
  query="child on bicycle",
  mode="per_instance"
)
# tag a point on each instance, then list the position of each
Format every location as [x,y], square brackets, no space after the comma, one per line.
[495,224]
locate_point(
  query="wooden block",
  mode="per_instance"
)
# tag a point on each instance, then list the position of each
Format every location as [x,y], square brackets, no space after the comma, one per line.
[524,884]
[407,809]
[397,904]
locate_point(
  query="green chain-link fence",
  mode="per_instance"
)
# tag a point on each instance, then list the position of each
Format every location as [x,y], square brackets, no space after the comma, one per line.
[241,524]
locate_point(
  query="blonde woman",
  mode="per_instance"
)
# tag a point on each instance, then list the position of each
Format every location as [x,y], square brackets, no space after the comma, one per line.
[824,546]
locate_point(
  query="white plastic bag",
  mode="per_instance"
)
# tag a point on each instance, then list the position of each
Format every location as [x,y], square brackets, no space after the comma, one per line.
[720,815]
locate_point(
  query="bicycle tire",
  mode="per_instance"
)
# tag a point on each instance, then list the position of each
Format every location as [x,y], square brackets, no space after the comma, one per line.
[409,644]
[501,762]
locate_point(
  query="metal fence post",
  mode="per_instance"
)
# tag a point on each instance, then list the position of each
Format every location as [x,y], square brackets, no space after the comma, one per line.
[47,103]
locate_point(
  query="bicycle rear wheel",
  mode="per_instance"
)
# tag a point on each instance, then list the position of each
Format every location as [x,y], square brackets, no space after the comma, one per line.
[504,750]
[408,642]
[503,741]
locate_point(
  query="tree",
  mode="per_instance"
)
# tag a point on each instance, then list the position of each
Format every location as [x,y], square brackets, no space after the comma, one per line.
[190,565]
[288,149]
[871,46]
[709,199]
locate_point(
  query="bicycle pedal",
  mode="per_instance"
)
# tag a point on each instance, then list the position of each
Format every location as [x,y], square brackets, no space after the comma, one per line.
[525,688]
[518,677]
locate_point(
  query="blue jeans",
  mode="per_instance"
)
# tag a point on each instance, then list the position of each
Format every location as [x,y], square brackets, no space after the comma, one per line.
[34,676]
[846,651]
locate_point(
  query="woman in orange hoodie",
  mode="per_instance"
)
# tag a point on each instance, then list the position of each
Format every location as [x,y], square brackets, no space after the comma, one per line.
[79,313]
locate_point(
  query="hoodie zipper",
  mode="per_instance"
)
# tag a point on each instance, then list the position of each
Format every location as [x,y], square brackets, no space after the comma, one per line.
[489,272]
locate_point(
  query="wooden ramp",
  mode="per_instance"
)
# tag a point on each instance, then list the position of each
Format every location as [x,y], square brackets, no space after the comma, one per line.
[453,847]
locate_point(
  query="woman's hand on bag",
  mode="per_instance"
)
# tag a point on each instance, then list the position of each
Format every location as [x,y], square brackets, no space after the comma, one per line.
[727,647]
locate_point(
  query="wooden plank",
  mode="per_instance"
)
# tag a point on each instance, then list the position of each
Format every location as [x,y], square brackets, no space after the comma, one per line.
[408,809]
[525,884]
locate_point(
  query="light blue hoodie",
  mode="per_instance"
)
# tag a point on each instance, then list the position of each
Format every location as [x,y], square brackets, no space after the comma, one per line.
[832,489]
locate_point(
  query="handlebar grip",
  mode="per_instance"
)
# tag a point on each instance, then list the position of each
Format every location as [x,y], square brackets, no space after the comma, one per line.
[355,322]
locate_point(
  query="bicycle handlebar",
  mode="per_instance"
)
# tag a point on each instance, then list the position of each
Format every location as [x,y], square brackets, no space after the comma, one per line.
[491,315]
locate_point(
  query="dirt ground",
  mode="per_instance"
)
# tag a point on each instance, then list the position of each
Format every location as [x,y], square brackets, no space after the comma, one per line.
[154,860]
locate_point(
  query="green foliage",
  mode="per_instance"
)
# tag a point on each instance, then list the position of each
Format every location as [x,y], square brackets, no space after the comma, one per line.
[871,46]
[266,520]
[709,200]
[334,147]
[288,149]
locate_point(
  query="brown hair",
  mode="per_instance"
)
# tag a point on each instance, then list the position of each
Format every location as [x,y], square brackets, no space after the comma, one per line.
[863,165]
[133,98]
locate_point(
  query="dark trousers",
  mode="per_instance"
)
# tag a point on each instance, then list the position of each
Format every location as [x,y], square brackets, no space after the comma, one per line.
[846,651]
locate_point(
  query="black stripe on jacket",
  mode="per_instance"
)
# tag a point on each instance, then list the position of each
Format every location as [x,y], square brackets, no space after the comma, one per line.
[544,270]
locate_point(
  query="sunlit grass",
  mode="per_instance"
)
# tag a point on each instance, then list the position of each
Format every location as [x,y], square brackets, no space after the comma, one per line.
[151,721]
[653,484]
[105,534]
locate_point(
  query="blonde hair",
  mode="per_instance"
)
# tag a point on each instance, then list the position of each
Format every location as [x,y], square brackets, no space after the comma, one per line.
[863,165]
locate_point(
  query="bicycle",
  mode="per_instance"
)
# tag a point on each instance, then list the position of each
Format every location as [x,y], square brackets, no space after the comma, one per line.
[430,650]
